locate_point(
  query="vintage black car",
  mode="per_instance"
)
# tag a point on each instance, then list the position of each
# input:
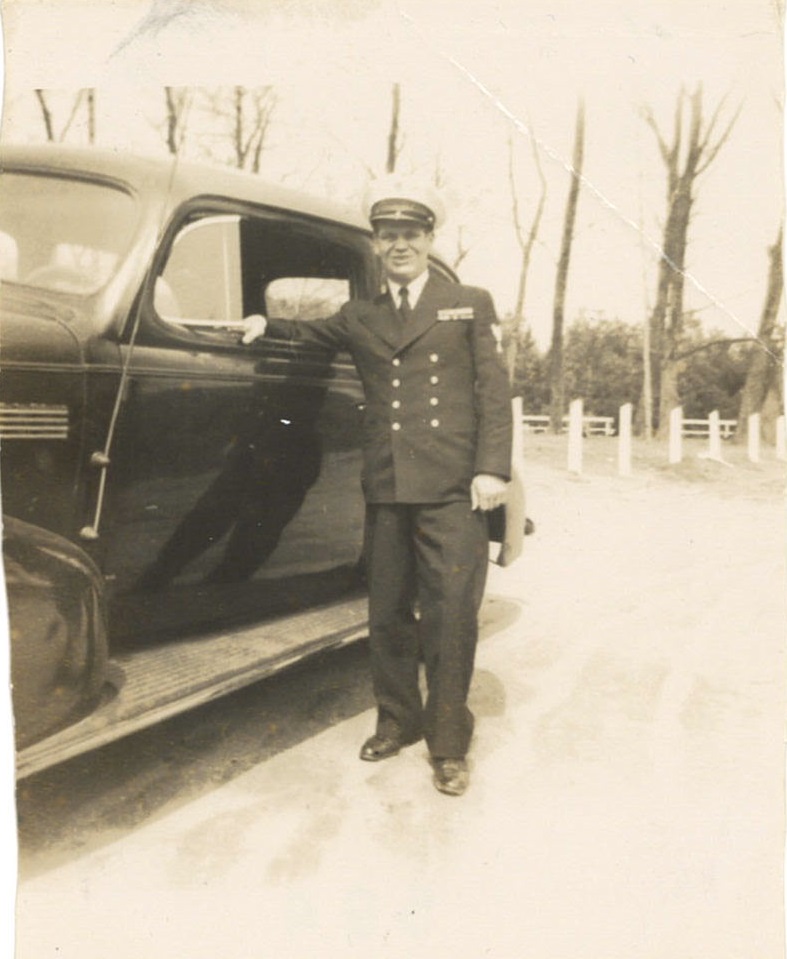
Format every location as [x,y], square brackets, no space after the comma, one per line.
[209,493]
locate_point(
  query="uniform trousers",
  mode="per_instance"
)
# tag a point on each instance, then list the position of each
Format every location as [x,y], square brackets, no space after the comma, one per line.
[426,569]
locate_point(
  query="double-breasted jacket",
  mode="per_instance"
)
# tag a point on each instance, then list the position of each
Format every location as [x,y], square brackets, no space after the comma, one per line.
[437,397]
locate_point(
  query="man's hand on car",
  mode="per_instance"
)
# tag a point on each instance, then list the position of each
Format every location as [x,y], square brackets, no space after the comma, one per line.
[254,327]
[488,491]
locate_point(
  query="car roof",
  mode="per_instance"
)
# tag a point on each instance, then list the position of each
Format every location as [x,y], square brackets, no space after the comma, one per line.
[159,176]
[169,181]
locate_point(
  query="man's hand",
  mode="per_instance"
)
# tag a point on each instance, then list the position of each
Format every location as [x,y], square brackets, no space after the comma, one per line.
[487,491]
[254,326]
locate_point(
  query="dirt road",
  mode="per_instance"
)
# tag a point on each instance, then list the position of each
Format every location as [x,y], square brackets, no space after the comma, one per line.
[626,796]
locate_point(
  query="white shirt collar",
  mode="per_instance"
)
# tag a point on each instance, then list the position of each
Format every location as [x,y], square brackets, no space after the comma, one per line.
[414,289]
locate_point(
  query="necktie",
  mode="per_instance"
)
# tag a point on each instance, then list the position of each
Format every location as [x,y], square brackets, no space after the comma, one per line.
[404,306]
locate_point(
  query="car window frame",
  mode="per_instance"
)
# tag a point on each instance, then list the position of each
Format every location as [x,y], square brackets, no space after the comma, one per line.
[154,328]
[93,178]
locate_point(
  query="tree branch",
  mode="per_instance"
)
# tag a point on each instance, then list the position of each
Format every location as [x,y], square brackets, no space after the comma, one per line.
[535,225]
[394,147]
[46,114]
[177,100]
[647,116]
[713,121]
[711,156]
[514,197]
[91,115]
[74,107]
[706,346]
[461,251]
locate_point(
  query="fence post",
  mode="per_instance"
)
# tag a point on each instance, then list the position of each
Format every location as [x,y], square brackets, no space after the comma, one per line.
[753,435]
[714,436]
[575,437]
[675,435]
[624,439]
[781,439]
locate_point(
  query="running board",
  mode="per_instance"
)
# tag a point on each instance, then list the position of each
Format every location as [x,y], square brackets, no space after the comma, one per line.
[149,685]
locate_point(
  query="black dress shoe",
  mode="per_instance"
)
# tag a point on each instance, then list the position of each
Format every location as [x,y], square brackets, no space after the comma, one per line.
[451,776]
[382,747]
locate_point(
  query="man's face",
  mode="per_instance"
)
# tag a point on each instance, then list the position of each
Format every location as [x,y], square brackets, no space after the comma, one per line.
[403,249]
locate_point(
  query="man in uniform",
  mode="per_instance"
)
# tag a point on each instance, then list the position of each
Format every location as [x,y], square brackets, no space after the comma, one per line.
[437,456]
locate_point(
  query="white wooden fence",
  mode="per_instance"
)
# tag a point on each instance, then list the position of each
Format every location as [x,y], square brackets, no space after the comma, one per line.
[713,428]
[591,425]
[702,428]
[716,429]
[605,425]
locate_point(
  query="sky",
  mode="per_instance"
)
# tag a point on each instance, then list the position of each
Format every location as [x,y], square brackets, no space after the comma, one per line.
[474,77]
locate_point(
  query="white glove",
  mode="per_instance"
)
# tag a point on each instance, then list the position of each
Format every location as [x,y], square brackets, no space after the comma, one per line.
[254,326]
[488,491]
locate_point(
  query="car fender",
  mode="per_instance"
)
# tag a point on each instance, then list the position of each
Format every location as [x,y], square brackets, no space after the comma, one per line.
[58,631]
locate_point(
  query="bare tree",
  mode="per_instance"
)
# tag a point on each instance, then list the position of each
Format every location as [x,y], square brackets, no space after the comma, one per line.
[689,153]
[178,102]
[84,97]
[395,143]
[644,410]
[556,382]
[238,122]
[646,406]
[252,110]
[46,115]
[526,242]
[461,249]
[90,99]
[763,377]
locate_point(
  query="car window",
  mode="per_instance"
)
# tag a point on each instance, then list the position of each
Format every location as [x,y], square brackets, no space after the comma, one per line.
[202,279]
[221,267]
[305,297]
[62,234]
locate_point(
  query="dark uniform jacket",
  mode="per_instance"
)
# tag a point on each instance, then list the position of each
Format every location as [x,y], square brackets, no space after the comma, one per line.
[438,405]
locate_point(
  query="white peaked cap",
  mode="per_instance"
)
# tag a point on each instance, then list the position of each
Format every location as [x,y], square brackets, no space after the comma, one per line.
[396,197]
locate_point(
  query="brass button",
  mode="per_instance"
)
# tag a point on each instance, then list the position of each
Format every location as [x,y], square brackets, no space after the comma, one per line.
[433,357]
[435,423]
[396,404]
[396,361]
[396,383]
[396,426]
[434,380]
[433,401]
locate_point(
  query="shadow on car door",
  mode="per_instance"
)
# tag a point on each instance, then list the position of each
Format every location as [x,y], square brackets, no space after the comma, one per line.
[234,489]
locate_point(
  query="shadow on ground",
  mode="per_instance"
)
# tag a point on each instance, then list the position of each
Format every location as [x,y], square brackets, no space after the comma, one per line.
[94,799]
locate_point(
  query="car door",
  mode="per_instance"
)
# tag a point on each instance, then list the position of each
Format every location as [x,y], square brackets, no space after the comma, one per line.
[234,487]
